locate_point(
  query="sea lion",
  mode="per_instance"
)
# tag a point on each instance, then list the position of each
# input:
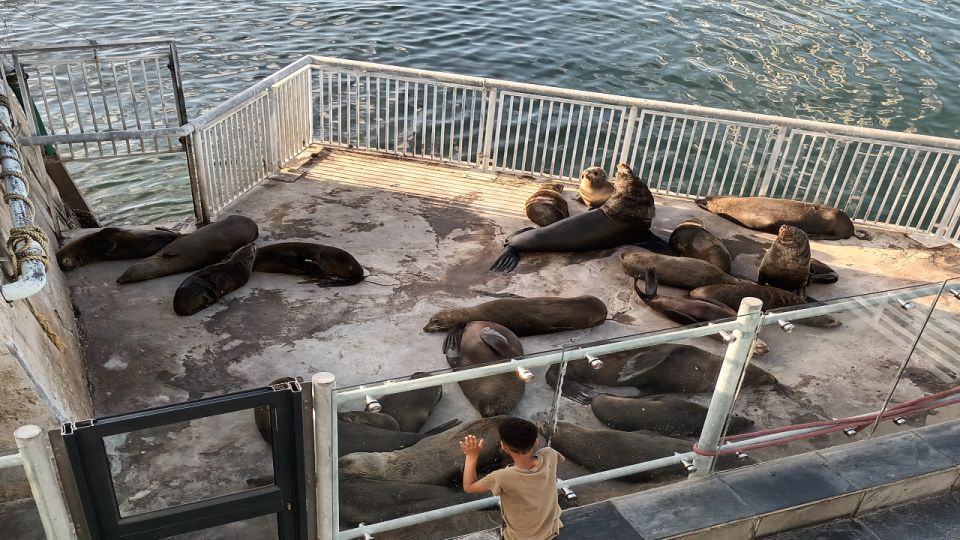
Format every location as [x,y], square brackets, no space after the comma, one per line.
[664,368]
[526,316]
[691,239]
[625,218]
[547,204]
[327,265]
[208,245]
[203,288]
[484,342]
[113,244]
[668,416]
[772,298]
[363,500]
[435,460]
[605,449]
[767,215]
[683,272]
[411,409]
[594,188]
[786,264]
[372,419]
[821,273]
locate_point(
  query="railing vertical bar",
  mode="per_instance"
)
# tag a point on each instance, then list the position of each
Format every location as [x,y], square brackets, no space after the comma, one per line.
[495,127]
[893,178]
[491,108]
[406,113]
[806,162]
[526,135]
[369,105]
[536,139]
[883,174]
[596,140]
[443,119]
[783,164]
[43,95]
[453,120]
[618,139]
[876,162]
[723,141]
[926,183]
[468,134]
[627,140]
[663,168]
[506,131]
[846,176]
[936,220]
[696,161]
[230,158]
[556,141]
[357,109]
[656,153]
[347,113]
[163,98]
[516,133]
[546,138]
[586,139]
[803,170]
[93,110]
[903,183]
[146,97]
[736,169]
[641,172]
[836,171]
[773,164]
[676,157]
[63,112]
[748,174]
[576,140]
[76,107]
[733,146]
[433,123]
[423,132]
[706,162]
[954,206]
[103,99]
[686,159]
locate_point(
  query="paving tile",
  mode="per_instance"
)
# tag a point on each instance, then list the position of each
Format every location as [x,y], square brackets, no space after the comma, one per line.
[815,512]
[908,490]
[931,519]
[844,529]
[682,507]
[787,482]
[884,460]
[596,521]
[944,437]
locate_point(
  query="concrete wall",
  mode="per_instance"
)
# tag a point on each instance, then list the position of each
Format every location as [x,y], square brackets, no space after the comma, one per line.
[39,383]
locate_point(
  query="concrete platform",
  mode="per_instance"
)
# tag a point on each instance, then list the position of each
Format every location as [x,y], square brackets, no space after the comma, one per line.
[427,234]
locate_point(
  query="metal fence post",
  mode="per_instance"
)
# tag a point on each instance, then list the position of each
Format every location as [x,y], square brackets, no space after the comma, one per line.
[325,448]
[488,127]
[37,458]
[952,214]
[735,363]
[272,136]
[628,136]
[772,162]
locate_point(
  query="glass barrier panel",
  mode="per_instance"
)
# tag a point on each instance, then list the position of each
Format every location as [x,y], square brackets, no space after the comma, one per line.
[923,394]
[179,463]
[832,366]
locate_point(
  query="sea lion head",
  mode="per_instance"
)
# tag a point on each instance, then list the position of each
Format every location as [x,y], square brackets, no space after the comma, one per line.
[625,179]
[791,235]
[552,186]
[593,176]
[692,222]
[194,295]
[445,319]
[68,262]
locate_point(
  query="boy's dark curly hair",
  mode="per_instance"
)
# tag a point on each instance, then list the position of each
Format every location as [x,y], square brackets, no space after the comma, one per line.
[518,434]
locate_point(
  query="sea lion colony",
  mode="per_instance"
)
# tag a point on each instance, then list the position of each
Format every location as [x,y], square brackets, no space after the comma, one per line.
[384,451]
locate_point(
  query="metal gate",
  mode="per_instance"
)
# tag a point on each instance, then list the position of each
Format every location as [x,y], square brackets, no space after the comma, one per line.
[87,467]
[103,100]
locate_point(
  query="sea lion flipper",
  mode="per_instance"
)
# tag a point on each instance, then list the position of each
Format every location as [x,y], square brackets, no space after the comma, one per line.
[496,341]
[451,344]
[507,261]
[578,392]
[650,284]
[443,427]
[523,230]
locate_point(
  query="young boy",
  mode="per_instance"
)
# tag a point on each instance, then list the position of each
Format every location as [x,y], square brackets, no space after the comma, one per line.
[527,489]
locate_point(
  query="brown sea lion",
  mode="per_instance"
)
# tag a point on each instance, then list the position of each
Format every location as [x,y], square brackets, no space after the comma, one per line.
[772,298]
[113,244]
[691,239]
[683,272]
[670,416]
[547,204]
[483,342]
[526,316]
[435,460]
[664,368]
[208,245]
[411,409]
[594,189]
[605,449]
[327,265]
[786,264]
[363,500]
[625,218]
[372,419]
[203,288]
[767,215]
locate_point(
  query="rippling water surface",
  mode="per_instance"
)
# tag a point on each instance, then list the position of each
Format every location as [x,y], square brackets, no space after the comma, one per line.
[879,63]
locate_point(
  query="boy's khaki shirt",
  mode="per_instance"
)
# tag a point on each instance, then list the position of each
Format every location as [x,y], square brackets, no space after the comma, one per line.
[528,498]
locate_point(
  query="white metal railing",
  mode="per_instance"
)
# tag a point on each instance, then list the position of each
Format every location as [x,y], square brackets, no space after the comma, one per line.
[742,329]
[883,178]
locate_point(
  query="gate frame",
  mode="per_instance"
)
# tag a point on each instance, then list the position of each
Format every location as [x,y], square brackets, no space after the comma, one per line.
[289,497]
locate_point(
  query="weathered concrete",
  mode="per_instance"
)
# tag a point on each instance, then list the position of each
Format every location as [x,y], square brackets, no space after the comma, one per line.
[39,382]
[427,235]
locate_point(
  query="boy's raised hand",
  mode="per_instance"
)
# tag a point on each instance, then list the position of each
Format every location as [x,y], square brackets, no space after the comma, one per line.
[471,445]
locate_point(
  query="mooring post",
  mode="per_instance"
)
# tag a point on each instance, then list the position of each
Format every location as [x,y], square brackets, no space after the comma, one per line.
[37,459]
[724,397]
[325,450]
